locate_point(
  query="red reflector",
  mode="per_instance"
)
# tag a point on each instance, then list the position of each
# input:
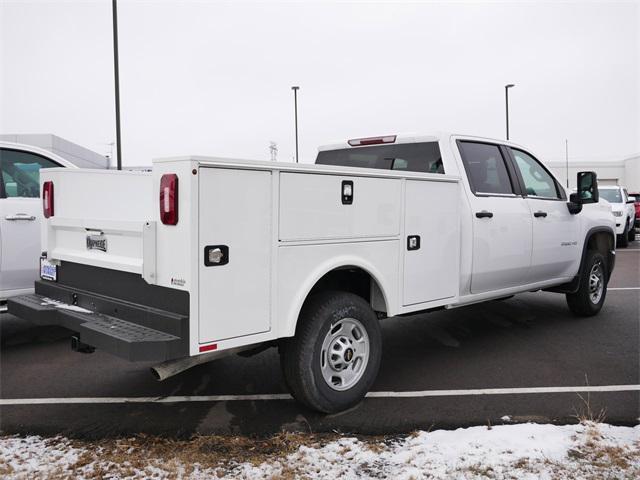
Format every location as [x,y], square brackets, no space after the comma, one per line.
[356,142]
[169,199]
[47,199]
[208,348]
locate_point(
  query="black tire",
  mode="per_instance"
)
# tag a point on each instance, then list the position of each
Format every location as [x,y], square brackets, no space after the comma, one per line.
[301,356]
[623,239]
[583,303]
[632,232]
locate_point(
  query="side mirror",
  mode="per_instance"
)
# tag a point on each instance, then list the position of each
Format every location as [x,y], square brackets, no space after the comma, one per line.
[575,204]
[588,187]
[632,200]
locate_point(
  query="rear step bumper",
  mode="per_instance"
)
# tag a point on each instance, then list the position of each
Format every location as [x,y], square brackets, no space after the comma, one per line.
[127,338]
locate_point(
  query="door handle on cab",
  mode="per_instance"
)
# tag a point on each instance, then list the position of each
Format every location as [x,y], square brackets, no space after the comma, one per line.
[20,216]
[484,214]
[540,214]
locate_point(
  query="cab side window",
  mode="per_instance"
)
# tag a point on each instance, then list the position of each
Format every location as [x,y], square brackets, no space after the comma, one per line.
[537,181]
[486,168]
[20,173]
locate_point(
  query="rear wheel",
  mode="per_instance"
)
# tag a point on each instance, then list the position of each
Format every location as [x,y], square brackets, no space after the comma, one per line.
[334,358]
[589,298]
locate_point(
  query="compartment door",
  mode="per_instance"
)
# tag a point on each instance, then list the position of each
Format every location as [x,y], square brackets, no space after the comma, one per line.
[431,263]
[235,216]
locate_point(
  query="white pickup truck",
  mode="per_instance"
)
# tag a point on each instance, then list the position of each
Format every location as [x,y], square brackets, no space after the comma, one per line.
[20,215]
[209,256]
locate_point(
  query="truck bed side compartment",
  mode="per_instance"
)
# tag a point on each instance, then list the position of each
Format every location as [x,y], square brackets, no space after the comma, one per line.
[311,207]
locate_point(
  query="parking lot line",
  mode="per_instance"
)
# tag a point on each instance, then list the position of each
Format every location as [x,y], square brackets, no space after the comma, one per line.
[623,288]
[285,396]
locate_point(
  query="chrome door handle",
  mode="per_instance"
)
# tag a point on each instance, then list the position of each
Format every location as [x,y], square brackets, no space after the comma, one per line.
[20,216]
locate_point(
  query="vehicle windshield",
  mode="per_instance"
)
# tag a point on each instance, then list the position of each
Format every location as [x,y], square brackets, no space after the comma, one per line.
[611,195]
[412,157]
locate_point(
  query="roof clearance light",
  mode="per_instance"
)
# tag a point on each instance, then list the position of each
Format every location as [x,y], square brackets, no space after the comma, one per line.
[359,142]
[169,199]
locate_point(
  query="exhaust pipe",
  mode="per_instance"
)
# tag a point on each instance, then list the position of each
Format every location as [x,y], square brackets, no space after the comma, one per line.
[170,368]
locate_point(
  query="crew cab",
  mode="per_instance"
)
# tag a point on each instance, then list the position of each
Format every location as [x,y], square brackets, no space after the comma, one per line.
[20,214]
[622,206]
[209,256]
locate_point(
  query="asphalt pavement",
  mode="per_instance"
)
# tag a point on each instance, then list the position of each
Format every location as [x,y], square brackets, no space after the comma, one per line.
[506,361]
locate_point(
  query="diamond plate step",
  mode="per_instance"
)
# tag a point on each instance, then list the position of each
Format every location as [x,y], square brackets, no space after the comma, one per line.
[126,331]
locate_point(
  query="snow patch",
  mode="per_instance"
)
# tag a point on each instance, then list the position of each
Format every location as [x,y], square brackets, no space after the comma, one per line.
[529,451]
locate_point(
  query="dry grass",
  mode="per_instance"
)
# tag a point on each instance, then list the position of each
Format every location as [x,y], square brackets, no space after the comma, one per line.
[181,457]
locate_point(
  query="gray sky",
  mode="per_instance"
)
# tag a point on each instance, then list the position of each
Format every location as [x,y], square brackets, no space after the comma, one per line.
[214,77]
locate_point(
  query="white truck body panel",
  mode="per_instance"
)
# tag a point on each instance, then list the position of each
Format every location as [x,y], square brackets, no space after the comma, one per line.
[312,210]
[430,274]
[119,213]
[235,299]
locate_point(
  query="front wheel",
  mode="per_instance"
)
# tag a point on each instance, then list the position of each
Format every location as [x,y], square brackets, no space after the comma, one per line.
[334,358]
[589,298]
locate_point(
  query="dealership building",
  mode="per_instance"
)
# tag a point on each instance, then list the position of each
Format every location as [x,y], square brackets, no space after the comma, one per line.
[76,154]
[625,173]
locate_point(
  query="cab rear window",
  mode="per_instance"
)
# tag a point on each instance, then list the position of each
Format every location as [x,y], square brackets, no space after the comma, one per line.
[410,157]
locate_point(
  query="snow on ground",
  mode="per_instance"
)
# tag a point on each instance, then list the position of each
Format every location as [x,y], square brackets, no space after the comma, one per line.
[587,450]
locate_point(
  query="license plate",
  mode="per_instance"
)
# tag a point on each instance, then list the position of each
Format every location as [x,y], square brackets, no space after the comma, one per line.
[48,271]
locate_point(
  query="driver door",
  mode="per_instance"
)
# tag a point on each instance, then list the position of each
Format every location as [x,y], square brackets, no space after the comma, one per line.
[20,213]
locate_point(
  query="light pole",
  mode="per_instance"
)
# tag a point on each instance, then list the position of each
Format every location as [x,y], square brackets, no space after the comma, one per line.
[506,104]
[295,106]
[116,75]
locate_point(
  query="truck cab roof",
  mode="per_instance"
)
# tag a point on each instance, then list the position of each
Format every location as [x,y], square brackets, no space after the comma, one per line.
[408,137]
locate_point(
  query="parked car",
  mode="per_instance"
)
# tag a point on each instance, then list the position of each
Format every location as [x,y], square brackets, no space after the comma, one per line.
[205,256]
[624,212]
[20,213]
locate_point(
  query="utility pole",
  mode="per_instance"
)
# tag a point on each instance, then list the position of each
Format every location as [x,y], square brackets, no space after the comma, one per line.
[116,74]
[506,104]
[295,104]
[566,154]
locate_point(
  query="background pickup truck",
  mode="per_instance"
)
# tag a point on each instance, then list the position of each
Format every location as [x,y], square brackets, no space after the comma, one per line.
[20,215]
[209,256]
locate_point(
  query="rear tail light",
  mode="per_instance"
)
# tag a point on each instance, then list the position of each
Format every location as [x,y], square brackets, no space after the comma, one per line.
[47,199]
[358,142]
[169,199]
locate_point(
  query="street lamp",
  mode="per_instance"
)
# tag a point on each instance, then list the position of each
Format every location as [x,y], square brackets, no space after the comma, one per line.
[506,103]
[295,105]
